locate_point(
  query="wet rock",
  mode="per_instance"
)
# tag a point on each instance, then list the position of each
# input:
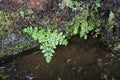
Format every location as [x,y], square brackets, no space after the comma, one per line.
[104,77]
[99,62]
[29,76]
[12,39]
[14,43]
[113,78]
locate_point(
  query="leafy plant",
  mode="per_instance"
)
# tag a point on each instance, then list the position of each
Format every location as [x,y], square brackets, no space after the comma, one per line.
[2,23]
[80,24]
[3,77]
[67,3]
[22,13]
[6,20]
[111,19]
[25,12]
[117,47]
[49,40]
[84,21]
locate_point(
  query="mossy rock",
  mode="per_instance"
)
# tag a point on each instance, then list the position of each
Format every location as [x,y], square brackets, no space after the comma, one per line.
[14,43]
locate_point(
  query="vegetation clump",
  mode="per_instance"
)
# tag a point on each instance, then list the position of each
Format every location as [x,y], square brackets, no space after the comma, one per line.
[49,40]
[3,77]
[6,20]
[85,21]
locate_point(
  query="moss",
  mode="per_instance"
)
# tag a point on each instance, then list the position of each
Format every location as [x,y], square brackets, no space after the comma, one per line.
[15,48]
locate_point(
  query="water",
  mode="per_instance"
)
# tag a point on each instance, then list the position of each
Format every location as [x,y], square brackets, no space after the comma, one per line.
[80,60]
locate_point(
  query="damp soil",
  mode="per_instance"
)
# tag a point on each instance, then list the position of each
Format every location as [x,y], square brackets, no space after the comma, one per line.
[79,60]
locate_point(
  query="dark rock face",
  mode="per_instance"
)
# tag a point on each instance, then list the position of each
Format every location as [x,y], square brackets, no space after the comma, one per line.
[14,43]
[12,39]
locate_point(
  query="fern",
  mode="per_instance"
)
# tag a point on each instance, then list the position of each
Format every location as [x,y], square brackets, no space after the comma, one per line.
[84,21]
[49,40]
[110,19]
[81,24]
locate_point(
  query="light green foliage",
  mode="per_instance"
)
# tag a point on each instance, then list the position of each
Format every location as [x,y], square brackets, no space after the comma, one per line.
[71,4]
[25,11]
[49,40]
[86,27]
[111,19]
[2,23]
[117,47]
[22,13]
[3,77]
[67,3]
[84,21]
[80,24]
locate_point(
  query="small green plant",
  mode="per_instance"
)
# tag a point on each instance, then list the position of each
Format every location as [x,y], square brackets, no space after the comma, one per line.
[49,40]
[22,13]
[3,77]
[6,20]
[111,19]
[117,47]
[25,11]
[2,23]
[84,21]
[80,24]
[68,3]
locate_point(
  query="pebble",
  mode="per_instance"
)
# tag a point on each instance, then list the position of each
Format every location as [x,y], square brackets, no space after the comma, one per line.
[99,62]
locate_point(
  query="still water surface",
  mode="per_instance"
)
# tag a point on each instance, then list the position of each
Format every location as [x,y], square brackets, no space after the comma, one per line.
[80,60]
